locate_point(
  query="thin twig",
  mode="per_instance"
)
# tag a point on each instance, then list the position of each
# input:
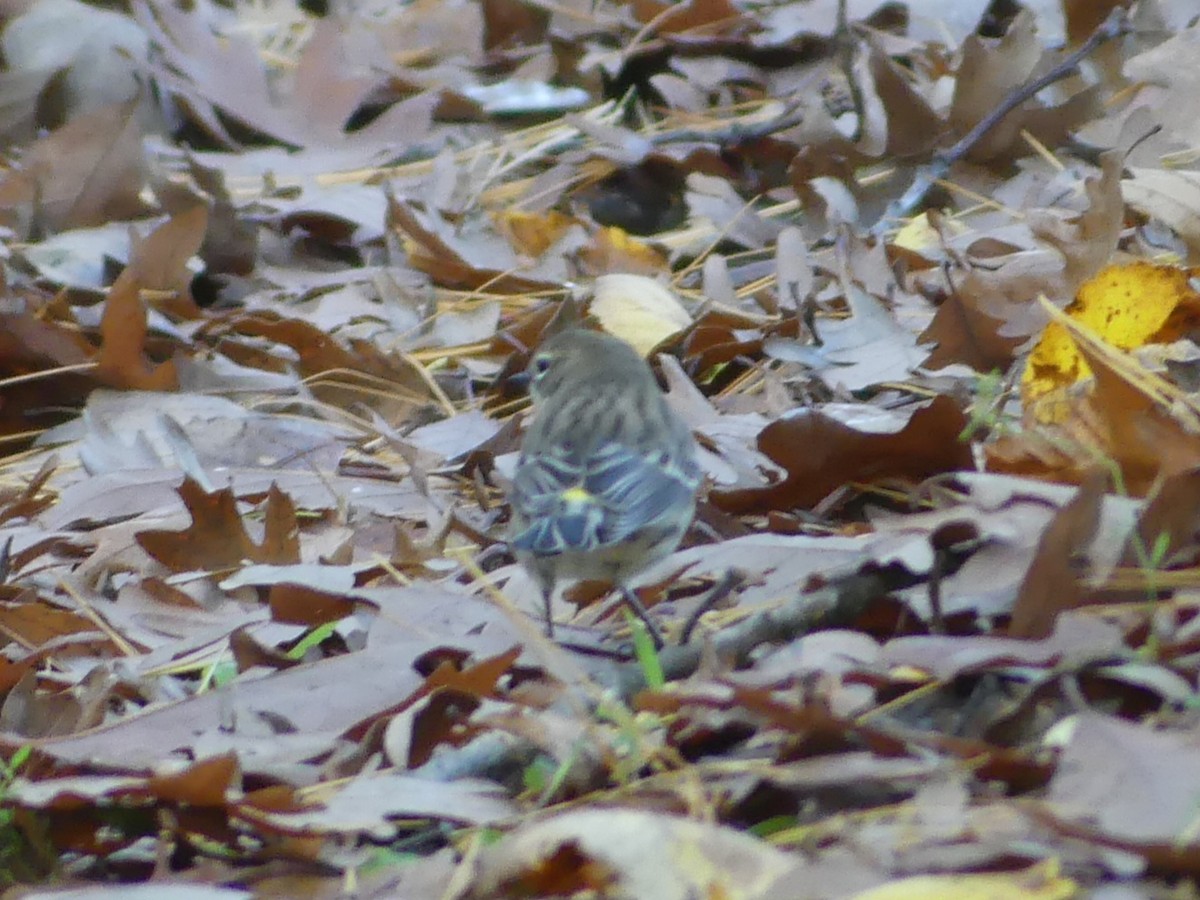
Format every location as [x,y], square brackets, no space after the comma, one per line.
[838,603]
[736,132]
[1116,25]
[846,48]
[726,586]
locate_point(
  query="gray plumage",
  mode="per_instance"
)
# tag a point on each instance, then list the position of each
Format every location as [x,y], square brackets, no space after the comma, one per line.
[606,482]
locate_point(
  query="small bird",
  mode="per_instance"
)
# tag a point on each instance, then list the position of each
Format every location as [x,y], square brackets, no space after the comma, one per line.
[606,482]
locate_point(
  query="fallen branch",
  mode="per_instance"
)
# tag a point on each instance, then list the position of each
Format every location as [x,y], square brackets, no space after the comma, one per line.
[502,756]
[736,132]
[1116,25]
[837,604]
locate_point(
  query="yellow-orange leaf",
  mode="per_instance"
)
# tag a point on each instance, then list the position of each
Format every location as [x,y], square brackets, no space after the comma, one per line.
[638,310]
[1039,882]
[1127,306]
[532,234]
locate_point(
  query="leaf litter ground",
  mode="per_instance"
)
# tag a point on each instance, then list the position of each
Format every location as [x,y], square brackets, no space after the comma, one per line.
[918,278]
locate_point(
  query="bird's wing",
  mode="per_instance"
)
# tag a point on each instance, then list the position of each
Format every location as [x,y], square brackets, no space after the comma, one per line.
[540,481]
[610,496]
[637,489]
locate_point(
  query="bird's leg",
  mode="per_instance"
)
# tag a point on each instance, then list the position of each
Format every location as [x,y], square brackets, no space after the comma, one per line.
[732,579]
[547,596]
[631,599]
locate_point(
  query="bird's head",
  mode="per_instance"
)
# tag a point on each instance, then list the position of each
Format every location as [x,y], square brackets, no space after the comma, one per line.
[577,357]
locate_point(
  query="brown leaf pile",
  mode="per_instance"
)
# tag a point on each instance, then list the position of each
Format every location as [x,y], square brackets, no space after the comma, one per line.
[267,270]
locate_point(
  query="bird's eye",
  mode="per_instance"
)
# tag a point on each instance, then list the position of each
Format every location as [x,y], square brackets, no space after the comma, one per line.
[541,365]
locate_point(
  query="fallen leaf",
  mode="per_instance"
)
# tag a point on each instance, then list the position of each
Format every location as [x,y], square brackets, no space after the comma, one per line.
[638,310]
[1051,584]
[1039,882]
[1126,306]
[635,853]
[122,362]
[1103,788]
[820,454]
[217,539]
[85,173]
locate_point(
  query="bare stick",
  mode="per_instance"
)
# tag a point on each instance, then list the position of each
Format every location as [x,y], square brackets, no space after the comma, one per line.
[833,605]
[1116,25]
[846,47]
[736,132]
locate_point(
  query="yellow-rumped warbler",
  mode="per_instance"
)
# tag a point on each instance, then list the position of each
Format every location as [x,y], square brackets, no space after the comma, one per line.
[606,482]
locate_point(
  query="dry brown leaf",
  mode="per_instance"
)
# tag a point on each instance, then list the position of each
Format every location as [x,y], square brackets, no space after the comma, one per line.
[966,333]
[990,71]
[217,540]
[1052,584]
[86,173]
[159,261]
[122,362]
[821,454]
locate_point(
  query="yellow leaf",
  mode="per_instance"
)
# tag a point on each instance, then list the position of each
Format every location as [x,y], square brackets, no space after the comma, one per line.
[613,249]
[1038,882]
[532,234]
[1127,306]
[638,310]
[918,234]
